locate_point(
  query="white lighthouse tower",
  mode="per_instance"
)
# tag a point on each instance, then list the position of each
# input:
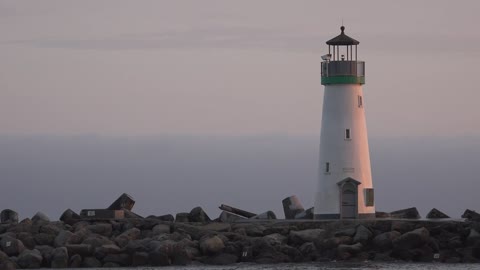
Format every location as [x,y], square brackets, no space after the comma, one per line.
[345,187]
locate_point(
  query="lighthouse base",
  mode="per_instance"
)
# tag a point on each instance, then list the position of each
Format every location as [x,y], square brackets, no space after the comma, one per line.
[337,216]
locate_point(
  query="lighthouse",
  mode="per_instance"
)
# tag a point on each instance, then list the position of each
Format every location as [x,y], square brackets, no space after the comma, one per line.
[344,189]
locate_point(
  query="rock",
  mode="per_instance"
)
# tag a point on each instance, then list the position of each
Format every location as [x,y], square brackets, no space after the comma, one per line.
[30,259]
[60,258]
[307,214]
[139,259]
[130,214]
[411,240]
[40,217]
[349,231]
[362,235]
[276,239]
[46,252]
[198,215]
[102,251]
[7,265]
[292,207]
[222,259]
[182,217]
[310,235]
[229,217]
[250,229]
[382,215]
[75,261]
[168,218]
[51,228]
[27,239]
[62,238]
[346,251]
[471,215]
[307,248]
[91,262]
[83,250]
[9,216]
[161,229]
[44,239]
[104,229]
[111,265]
[211,245]
[96,240]
[125,201]
[265,215]
[69,217]
[473,237]
[383,242]
[409,213]
[402,226]
[159,253]
[11,246]
[435,213]
[129,235]
[120,259]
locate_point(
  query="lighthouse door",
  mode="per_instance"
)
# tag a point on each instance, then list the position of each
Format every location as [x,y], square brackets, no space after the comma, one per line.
[349,200]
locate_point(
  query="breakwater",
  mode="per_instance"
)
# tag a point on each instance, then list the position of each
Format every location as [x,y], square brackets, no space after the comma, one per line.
[37,242]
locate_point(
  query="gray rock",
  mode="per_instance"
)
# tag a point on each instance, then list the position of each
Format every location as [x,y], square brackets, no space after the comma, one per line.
[409,213]
[44,239]
[310,235]
[435,213]
[7,265]
[346,251]
[411,240]
[69,217]
[382,214]
[198,215]
[229,217]
[307,248]
[211,245]
[30,259]
[383,242]
[473,236]
[9,216]
[159,253]
[265,215]
[46,252]
[96,240]
[250,229]
[120,259]
[80,249]
[129,235]
[125,201]
[161,229]
[62,238]
[52,228]
[60,258]
[168,217]
[104,229]
[402,226]
[471,215]
[362,235]
[292,207]
[75,261]
[307,214]
[102,251]
[182,217]
[91,262]
[276,239]
[40,217]
[349,231]
[139,259]
[27,239]
[11,246]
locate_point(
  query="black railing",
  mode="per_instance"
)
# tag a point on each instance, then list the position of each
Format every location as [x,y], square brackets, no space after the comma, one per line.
[343,68]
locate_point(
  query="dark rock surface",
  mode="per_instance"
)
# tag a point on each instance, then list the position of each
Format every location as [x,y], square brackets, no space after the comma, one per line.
[409,213]
[9,216]
[435,213]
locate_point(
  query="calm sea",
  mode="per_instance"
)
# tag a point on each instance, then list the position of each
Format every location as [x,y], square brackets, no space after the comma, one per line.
[315,266]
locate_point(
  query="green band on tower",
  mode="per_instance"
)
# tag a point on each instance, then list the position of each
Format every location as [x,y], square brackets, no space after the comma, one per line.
[343,80]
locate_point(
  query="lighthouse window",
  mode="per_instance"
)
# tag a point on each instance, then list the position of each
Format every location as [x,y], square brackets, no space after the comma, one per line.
[347,134]
[327,167]
[369,198]
[360,102]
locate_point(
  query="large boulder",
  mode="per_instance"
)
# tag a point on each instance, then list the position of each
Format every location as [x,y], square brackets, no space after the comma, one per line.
[52,228]
[408,213]
[265,215]
[62,238]
[96,240]
[362,235]
[383,242]
[139,259]
[198,215]
[30,259]
[75,261]
[182,217]
[292,207]
[435,213]
[161,229]
[120,259]
[91,262]
[27,239]
[104,229]
[229,217]
[11,246]
[40,217]
[211,245]
[310,235]
[46,252]
[102,251]
[471,215]
[125,201]
[129,235]
[410,240]
[60,258]
[69,217]
[346,251]
[83,250]
[9,216]
[44,239]
[276,239]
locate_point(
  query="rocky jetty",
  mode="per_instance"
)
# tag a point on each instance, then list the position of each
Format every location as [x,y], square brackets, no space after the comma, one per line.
[93,240]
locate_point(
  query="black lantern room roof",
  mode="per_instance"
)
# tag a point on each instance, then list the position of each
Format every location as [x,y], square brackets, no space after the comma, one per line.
[342,39]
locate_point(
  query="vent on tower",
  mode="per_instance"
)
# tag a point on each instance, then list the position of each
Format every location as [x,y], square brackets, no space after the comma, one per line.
[347,134]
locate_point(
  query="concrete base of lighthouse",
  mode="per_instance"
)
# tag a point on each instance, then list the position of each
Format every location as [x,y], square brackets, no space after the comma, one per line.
[337,216]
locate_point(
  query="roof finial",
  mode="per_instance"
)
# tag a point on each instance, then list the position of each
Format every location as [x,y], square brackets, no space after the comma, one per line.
[342,28]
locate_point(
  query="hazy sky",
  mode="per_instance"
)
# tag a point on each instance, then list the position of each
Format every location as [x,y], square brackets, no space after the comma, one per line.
[232,67]
[245,77]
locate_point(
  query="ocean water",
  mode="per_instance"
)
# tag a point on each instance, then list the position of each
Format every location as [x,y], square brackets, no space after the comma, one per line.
[313,266]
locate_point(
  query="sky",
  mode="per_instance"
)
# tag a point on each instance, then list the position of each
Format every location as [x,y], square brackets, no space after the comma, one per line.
[124,74]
